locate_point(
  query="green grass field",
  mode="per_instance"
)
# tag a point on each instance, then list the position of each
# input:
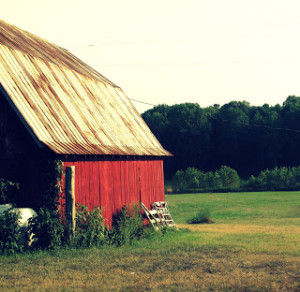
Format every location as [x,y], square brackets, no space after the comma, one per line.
[254,245]
[247,208]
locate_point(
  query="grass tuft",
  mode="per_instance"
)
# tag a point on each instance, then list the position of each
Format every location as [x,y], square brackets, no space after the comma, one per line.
[202,217]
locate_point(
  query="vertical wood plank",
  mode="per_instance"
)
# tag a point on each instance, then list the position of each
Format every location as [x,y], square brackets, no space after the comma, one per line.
[70,200]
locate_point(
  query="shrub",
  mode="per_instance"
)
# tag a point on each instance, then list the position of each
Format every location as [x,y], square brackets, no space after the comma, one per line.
[203,179]
[203,216]
[214,181]
[229,177]
[90,229]
[252,183]
[127,225]
[277,179]
[47,228]
[10,232]
[52,183]
[225,178]
[178,181]
[191,178]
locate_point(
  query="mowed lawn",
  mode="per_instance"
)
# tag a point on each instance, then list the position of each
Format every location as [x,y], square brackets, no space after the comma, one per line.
[254,245]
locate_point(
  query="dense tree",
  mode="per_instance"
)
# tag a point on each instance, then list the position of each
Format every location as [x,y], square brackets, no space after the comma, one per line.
[290,119]
[230,132]
[264,138]
[184,130]
[247,138]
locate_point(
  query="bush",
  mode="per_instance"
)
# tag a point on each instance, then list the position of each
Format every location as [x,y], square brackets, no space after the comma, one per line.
[277,179]
[90,229]
[203,216]
[10,232]
[49,231]
[51,176]
[127,225]
[229,177]
[178,181]
[47,228]
[213,181]
[225,178]
[191,178]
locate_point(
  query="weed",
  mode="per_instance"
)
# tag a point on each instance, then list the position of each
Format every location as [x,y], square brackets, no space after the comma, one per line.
[127,225]
[47,228]
[10,232]
[203,216]
[90,228]
[52,183]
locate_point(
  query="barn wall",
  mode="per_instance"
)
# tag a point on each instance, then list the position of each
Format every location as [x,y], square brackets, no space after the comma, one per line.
[114,183]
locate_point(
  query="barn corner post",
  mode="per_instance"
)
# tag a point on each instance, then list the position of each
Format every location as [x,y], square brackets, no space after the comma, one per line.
[70,201]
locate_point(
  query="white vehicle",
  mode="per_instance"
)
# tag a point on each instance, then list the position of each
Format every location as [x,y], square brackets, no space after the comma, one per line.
[25,213]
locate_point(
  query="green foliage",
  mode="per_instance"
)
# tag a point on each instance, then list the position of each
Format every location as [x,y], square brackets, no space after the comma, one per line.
[229,177]
[127,225]
[178,181]
[225,178]
[47,228]
[183,129]
[90,229]
[277,179]
[191,178]
[52,179]
[212,181]
[246,138]
[10,232]
[202,216]
[252,183]
[5,188]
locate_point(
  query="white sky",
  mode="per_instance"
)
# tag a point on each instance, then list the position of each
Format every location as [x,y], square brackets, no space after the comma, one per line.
[175,51]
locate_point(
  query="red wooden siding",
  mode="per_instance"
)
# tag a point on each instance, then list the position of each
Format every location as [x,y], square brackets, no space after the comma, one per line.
[114,183]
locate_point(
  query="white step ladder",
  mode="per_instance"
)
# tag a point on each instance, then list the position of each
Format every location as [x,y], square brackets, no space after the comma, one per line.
[159,216]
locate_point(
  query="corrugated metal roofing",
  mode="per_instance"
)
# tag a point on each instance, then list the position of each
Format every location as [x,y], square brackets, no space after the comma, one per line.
[69,106]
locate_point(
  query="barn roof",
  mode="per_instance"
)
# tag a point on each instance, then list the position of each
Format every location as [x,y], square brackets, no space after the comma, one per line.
[67,105]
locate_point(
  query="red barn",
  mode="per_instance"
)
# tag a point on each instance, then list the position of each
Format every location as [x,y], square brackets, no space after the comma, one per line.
[54,105]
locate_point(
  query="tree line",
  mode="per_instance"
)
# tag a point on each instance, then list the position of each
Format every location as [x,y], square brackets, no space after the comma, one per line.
[227,179]
[246,138]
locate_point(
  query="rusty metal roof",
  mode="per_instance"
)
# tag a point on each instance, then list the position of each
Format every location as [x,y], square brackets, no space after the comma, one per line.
[69,107]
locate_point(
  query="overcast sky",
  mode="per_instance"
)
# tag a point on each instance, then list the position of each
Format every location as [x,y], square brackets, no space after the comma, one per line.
[175,51]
